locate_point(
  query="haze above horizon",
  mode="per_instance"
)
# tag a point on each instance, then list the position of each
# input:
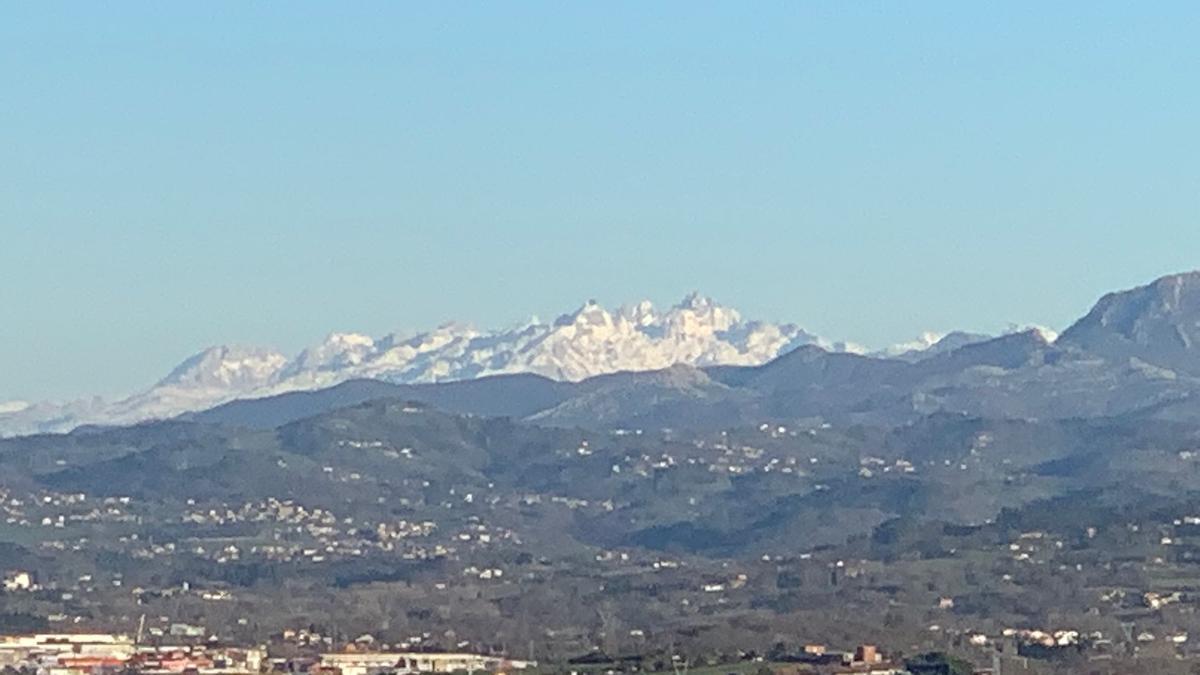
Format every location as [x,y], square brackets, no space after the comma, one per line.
[180,176]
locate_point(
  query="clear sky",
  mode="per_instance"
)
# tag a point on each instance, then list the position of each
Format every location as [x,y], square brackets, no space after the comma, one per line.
[175,175]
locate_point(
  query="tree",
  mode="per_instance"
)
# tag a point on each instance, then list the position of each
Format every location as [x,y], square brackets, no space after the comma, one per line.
[938,663]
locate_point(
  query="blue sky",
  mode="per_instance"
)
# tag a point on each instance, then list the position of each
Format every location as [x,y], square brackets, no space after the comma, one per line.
[175,175]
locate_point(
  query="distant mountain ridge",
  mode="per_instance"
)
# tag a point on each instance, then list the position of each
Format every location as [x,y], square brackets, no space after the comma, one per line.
[591,341]
[696,363]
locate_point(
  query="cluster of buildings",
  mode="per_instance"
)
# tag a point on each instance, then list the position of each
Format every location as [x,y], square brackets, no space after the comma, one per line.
[287,531]
[106,654]
[94,653]
[385,663]
[864,660]
[49,509]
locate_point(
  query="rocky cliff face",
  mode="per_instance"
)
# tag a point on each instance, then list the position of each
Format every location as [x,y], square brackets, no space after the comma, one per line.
[1158,323]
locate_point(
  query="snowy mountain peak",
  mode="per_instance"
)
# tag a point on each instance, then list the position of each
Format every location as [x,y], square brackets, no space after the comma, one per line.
[697,315]
[339,350]
[1048,335]
[642,314]
[593,340]
[921,343]
[350,340]
[695,301]
[235,368]
[590,314]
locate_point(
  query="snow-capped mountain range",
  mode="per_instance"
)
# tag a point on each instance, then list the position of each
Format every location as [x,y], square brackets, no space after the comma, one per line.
[590,341]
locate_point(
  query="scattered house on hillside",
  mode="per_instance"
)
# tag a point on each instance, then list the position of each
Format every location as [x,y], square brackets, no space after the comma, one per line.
[867,654]
[186,630]
[20,580]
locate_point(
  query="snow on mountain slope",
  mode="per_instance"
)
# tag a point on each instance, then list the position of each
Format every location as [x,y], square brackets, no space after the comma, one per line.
[226,368]
[12,407]
[590,341]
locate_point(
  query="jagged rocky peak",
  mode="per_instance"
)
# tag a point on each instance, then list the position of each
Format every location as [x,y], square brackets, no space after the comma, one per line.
[641,314]
[591,314]
[1134,313]
[695,302]
[698,314]
[1158,323]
